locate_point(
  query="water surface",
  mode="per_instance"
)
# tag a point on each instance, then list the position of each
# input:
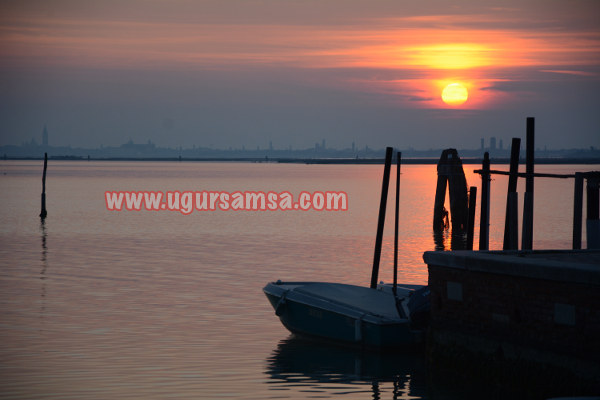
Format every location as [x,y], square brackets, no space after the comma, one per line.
[97,304]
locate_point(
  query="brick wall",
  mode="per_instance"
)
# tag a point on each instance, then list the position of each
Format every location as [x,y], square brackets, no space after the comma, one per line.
[546,315]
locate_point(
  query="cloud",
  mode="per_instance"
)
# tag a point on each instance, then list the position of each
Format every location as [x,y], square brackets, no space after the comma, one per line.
[571,72]
[299,69]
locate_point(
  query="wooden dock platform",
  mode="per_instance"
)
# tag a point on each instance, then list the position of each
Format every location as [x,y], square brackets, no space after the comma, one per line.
[531,309]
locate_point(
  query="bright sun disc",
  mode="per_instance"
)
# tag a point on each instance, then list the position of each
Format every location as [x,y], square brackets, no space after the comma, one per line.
[455,94]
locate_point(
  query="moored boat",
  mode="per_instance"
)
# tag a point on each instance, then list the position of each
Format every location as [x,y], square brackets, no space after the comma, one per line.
[380,316]
[349,314]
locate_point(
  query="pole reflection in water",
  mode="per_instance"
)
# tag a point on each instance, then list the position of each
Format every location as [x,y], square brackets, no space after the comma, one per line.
[44,260]
[323,369]
[448,239]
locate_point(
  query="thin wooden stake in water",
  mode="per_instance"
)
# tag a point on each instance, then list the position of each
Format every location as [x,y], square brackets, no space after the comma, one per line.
[527,235]
[471,219]
[593,211]
[511,224]
[484,220]
[43,213]
[399,161]
[381,221]
[577,210]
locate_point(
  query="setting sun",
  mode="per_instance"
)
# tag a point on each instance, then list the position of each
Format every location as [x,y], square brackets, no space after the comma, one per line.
[455,94]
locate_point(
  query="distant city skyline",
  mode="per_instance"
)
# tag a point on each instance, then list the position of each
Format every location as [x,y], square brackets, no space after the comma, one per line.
[490,143]
[320,150]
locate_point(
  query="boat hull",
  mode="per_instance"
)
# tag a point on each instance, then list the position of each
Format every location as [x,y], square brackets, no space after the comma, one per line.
[345,314]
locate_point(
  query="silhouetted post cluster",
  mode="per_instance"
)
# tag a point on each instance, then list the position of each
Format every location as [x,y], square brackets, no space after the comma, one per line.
[381,220]
[451,175]
[593,209]
[511,234]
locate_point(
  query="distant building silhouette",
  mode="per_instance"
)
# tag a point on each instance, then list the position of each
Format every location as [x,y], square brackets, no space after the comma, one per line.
[492,143]
[45,136]
[482,144]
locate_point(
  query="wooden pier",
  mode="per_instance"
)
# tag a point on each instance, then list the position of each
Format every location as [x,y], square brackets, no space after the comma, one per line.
[533,311]
[530,316]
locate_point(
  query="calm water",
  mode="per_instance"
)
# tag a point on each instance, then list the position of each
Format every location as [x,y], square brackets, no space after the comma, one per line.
[97,304]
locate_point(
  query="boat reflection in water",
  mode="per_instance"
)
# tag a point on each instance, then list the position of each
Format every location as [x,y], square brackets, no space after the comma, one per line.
[302,366]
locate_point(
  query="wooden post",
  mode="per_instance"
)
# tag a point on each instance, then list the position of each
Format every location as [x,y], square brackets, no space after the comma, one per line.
[451,175]
[440,192]
[471,221]
[44,213]
[381,220]
[484,219]
[511,224]
[398,163]
[457,191]
[577,210]
[593,212]
[527,235]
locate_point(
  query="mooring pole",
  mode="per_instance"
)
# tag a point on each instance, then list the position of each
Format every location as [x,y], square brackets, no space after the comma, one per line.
[593,211]
[577,210]
[484,219]
[43,213]
[471,219]
[443,170]
[381,220]
[527,235]
[511,224]
[397,216]
[458,193]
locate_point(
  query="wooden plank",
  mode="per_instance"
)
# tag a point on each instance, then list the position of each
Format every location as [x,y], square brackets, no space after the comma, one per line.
[524,174]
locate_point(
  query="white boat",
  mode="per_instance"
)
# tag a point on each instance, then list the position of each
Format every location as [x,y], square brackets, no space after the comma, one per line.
[352,315]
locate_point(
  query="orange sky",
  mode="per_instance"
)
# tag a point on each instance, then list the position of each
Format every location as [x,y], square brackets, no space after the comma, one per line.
[442,48]
[406,54]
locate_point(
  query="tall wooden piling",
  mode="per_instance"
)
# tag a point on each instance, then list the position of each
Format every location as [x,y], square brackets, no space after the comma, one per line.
[397,220]
[577,210]
[484,219]
[439,213]
[471,220]
[457,191]
[381,220]
[452,176]
[593,211]
[44,213]
[527,234]
[511,224]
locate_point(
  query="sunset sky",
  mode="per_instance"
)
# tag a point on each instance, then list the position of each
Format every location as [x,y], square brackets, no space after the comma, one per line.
[221,73]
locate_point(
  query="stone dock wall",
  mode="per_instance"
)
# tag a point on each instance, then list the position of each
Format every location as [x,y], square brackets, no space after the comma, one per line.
[537,309]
